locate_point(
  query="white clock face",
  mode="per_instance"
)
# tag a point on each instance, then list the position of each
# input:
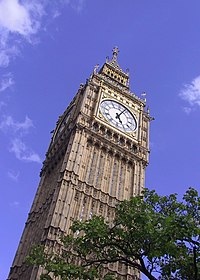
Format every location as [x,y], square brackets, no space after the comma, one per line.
[118,115]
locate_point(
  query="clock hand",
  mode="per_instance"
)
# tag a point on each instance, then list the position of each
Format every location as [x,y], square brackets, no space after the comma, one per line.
[120,120]
[122,112]
[118,117]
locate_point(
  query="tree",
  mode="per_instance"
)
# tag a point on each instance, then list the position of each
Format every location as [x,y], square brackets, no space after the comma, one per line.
[158,236]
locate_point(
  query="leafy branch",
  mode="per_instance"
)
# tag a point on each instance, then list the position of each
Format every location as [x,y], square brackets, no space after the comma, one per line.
[158,236]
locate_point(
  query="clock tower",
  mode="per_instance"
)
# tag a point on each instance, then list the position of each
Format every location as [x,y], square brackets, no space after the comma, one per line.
[97,158]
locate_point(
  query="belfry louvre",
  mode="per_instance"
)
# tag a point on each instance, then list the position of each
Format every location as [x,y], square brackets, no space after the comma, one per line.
[97,157]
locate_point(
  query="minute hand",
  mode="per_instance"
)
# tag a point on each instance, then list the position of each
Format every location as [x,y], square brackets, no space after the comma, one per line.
[118,115]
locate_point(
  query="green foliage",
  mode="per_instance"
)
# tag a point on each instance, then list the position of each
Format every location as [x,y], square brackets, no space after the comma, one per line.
[156,235]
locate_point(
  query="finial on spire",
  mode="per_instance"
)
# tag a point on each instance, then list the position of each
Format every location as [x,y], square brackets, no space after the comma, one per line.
[112,71]
[144,94]
[115,53]
[113,61]
[95,68]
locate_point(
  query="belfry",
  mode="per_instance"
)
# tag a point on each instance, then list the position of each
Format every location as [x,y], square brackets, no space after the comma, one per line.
[96,158]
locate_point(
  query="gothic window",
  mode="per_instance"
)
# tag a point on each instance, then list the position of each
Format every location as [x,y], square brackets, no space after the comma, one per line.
[121,181]
[121,141]
[115,136]
[134,148]
[145,124]
[96,126]
[128,144]
[76,197]
[101,209]
[102,130]
[92,167]
[83,209]
[100,170]
[107,173]
[114,176]
[81,214]
[108,134]
[92,209]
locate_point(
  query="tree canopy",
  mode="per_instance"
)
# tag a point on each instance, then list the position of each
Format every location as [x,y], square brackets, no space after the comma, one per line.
[158,236]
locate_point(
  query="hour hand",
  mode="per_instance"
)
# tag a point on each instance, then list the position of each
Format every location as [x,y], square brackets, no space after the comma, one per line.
[118,117]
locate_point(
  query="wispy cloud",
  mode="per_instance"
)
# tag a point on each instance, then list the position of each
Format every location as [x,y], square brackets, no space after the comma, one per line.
[16,131]
[13,175]
[22,152]
[77,5]
[9,124]
[7,53]
[187,110]
[21,21]
[20,16]
[2,104]
[191,94]
[6,82]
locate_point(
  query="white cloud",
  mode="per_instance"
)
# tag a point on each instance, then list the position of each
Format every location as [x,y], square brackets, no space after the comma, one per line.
[2,104]
[56,13]
[13,175]
[6,82]
[4,58]
[22,152]
[21,21]
[191,94]
[9,124]
[77,5]
[7,52]
[16,130]
[187,110]
[20,17]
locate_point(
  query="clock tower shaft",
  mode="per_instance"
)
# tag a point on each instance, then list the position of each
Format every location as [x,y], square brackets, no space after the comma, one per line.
[91,165]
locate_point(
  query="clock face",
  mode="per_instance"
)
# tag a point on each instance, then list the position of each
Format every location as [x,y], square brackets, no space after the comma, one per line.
[118,115]
[62,125]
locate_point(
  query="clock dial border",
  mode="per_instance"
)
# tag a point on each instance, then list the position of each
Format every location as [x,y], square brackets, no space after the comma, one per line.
[117,113]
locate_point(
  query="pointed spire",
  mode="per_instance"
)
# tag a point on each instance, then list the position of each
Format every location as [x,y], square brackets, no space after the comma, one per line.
[112,71]
[114,61]
[115,53]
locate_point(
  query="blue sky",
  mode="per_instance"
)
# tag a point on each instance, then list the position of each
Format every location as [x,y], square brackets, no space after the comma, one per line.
[47,48]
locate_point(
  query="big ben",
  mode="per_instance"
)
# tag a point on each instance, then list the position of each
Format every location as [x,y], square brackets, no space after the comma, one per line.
[96,158]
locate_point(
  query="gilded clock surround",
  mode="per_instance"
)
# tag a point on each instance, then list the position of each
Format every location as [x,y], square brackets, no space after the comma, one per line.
[90,166]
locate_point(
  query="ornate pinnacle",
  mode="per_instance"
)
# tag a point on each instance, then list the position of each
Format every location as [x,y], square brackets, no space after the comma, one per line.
[95,68]
[113,61]
[115,54]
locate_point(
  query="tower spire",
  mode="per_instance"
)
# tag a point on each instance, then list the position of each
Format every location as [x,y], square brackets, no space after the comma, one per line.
[115,54]
[114,61]
[112,71]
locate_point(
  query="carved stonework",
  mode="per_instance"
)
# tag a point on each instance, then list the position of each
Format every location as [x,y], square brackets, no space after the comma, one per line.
[91,165]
